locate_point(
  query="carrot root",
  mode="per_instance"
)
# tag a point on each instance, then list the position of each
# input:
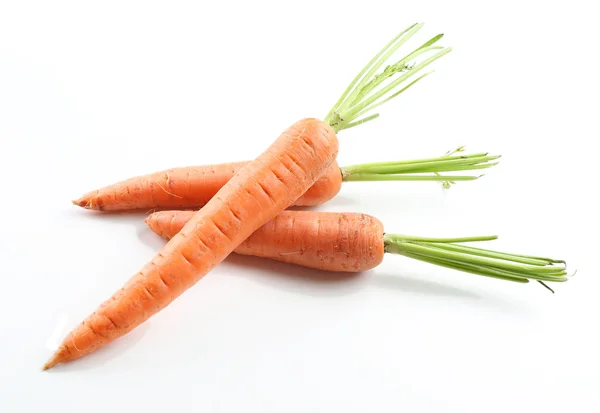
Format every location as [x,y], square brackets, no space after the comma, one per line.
[254,196]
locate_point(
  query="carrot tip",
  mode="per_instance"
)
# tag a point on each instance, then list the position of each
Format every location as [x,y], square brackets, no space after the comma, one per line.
[79,202]
[51,363]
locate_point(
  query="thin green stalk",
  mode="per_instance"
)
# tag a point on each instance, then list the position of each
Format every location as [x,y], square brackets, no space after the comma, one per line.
[409,178]
[397,67]
[446,253]
[401,238]
[370,103]
[468,268]
[369,108]
[361,121]
[420,170]
[440,166]
[366,166]
[369,90]
[493,254]
[403,38]
[364,70]
[501,264]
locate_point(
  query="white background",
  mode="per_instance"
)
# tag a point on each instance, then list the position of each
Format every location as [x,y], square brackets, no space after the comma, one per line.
[94,92]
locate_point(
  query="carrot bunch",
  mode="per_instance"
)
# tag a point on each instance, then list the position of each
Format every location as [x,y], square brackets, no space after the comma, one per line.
[242,209]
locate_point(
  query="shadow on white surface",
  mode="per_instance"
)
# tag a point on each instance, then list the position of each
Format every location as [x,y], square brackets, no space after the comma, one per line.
[112,216]
[148,237]
[296,279]
[414,283]
[338,201]
[278,274]
[308,281]
[315,282]
[312,282]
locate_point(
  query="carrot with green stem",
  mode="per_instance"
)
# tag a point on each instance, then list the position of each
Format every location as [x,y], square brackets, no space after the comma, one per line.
[192,187]
[255,195]
[353,242]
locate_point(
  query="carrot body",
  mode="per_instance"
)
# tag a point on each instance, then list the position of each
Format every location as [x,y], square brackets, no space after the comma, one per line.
[347,242]
[191,188]
[254,196]
[351,242]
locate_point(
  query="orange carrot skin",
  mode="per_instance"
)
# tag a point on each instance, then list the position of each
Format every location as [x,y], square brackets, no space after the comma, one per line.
[345,242]
[253,197]
[326,187]
[191,188]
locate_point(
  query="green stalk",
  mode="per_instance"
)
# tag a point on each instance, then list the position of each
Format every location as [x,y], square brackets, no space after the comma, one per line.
[408,178]
[371,88]
[364,70]
[421,169]
[404,36]
[444,252]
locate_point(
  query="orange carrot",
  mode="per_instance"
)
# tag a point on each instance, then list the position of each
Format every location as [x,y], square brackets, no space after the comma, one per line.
[192,187]
[353,242]
[326,241]
[255,195]
[261,190]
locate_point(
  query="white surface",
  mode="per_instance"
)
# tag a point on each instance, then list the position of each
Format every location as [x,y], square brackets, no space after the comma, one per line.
[91,93]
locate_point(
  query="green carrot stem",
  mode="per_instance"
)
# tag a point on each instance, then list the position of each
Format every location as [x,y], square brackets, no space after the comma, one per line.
[445,252]
[441,165]
[499,255]
[400,238]
[361,121]
[404,36]
[545,272]
[367,108]
[420,170]
[371,88]
[419,161]
[358,108]
[367,67]
[467,268]
[412,178]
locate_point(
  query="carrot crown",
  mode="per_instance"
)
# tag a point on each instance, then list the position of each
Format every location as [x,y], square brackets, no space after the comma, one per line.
[422,169]
[371,88]
[446,253]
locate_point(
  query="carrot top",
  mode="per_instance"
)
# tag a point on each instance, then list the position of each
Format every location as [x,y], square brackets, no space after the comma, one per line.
[371,88]
[428,169]
[446,253]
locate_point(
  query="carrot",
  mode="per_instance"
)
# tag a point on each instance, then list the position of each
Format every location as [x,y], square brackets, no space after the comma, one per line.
[255,195]
[353,242]
[192,187]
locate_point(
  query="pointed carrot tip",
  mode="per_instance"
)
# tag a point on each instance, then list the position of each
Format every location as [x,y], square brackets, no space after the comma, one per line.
[87,202]
[54,360]
[79,202]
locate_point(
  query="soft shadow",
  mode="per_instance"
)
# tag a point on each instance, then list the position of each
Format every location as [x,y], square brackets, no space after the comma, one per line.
[336,201]
[93,214]
[108,353]
[277,274]
[149,237]
[125,216]
[117,216]
[313,282]
[308,281]
[297,279]
[415,284]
